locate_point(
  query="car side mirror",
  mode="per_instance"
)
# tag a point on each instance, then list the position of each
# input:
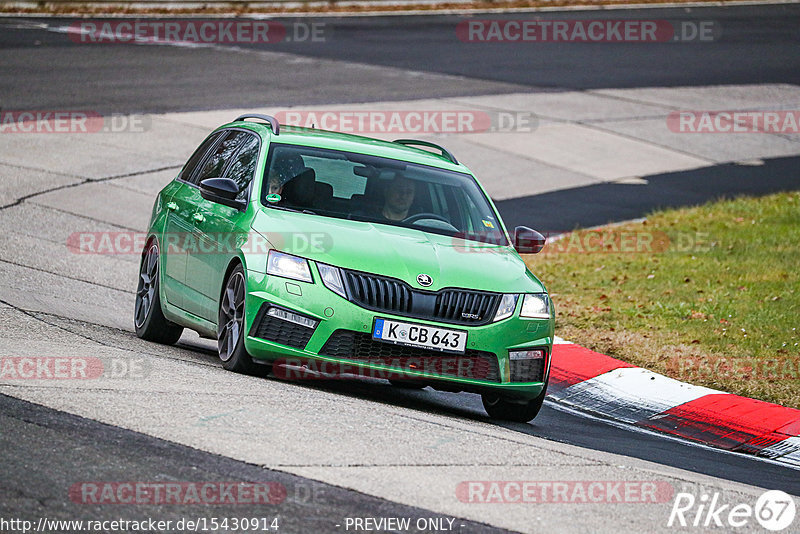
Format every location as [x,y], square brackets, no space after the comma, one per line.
[222,191]
[528,241]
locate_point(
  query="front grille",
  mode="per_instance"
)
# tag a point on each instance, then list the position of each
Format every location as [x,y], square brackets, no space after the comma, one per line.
[280,331]
[527,370]
[456,306]
[377,292]
[360,346]
[452,303]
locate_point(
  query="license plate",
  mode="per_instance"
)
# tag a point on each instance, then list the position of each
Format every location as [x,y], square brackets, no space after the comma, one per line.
[420,335]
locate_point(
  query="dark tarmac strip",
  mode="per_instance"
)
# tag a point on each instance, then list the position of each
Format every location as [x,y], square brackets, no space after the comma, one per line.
[753,45]
[749,44]
[599,204]
[45,452]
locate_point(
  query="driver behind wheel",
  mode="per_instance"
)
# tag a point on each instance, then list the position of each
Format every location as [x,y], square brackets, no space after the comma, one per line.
[398,198]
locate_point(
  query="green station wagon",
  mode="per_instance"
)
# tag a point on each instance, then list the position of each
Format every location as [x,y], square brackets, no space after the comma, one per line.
[311,253]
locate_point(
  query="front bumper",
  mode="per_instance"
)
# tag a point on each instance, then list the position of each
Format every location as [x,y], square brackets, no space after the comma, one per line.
[340,322]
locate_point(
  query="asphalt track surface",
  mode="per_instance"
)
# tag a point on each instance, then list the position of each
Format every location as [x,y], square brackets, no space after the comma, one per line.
[66,448]
[413,57]
[597,204]
[403,57]
[758,45]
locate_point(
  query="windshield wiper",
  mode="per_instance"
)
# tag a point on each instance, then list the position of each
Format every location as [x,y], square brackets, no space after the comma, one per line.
[294,210]
[284,208]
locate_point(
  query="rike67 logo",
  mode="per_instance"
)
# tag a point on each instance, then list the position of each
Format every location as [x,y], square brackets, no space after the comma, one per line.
[774,510]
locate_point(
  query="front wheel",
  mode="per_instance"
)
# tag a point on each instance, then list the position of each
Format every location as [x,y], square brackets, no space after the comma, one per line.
[148,319]
[230,329]
[511,409]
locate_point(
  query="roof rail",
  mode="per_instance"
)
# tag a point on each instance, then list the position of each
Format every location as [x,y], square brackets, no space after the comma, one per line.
[415,142]
[273,122]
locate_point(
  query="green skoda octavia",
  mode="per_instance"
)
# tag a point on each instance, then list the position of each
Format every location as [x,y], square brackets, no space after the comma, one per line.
[311,253]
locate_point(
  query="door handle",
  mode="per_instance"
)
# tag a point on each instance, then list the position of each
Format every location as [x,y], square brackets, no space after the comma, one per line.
[198,217]
[171,206]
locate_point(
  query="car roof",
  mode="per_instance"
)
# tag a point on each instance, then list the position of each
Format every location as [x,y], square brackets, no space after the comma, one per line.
[296,135]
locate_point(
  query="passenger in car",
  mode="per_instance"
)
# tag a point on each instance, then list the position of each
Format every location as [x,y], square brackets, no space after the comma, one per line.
[283,170]
[275,185]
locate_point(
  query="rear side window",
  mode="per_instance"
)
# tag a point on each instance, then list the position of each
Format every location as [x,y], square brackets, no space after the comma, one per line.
[197,157]
[243,167]
[339,174]
[222,154]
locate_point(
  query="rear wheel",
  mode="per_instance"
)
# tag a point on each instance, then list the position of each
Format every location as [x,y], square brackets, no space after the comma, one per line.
[519,411]
[230,329]
[148,319]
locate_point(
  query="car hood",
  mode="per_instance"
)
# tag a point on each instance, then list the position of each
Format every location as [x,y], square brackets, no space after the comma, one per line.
[397,252]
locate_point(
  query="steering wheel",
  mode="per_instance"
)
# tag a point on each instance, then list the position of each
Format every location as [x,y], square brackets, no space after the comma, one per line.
[419,216]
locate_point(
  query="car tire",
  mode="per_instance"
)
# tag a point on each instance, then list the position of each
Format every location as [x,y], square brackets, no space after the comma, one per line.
[231,325]
[512,410]
[148,319]
[407,384]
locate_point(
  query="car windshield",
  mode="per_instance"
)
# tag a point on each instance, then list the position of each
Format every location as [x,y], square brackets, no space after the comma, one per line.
[347,185]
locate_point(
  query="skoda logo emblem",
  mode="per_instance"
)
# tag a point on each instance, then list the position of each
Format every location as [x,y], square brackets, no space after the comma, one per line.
[424,280]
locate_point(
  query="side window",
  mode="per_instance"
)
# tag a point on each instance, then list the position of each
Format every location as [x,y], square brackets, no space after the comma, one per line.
[243,167]
[439,203]
[214,164]
[338,173]
[475,222]
[190,166]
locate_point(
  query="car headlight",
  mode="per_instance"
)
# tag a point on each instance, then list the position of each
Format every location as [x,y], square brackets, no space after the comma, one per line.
[507,306]
[288,266]
[332,278]
[535,305]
